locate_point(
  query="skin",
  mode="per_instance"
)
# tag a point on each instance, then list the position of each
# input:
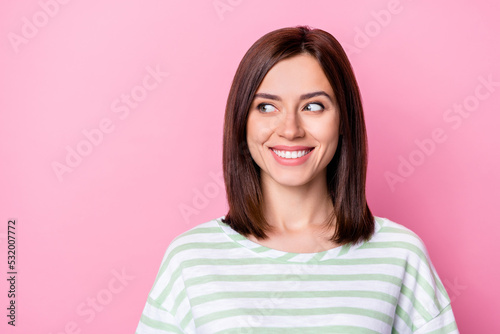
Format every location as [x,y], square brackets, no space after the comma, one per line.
[296,200]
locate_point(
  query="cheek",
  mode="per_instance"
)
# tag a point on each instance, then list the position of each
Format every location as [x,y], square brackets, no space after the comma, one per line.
[258,131]
[333,139]
[325,130]
[327,133]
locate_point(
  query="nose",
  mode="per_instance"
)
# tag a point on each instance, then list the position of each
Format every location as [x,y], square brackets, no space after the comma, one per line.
[289,126]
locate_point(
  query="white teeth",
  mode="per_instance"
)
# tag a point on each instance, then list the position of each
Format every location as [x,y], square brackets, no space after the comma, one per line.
[291,154]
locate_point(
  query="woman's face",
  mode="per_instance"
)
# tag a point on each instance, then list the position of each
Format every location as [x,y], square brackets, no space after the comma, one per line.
[295,112]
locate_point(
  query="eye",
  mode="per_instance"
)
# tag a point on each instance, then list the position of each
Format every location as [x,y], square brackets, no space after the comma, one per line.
[265,107]
[314,107]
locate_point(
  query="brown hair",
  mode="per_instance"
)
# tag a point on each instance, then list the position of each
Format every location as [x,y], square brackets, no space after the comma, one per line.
[346,172]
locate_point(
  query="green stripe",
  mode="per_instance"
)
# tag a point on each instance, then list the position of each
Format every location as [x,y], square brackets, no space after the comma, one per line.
[286,257]
[194,245]
[440,287]
[318,256]
[396,244]
[237,237]
[394,331]
[200,230]
[187,319]
[160,325]
[293,312]
[380,221]
[166,290]
[448,328]
[365,261]
[389,229]
[422,282]
[154,323]
[293,294]
[260,249]
[178,300]
[292,277]
[416,303]
[301,330]
[404,316]
[345,249]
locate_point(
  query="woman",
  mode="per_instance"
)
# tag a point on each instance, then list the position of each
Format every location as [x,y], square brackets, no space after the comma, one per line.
[299,250]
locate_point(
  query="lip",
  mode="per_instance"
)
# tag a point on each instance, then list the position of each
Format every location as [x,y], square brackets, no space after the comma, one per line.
[291,162]
[291,148]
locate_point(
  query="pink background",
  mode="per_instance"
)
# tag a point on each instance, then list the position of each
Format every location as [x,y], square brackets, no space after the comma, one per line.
[113,215]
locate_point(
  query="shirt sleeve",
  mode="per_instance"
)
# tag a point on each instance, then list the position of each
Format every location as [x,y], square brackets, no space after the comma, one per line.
[432,315]
[156,320]
[423,304]
[167,307]
[443,323]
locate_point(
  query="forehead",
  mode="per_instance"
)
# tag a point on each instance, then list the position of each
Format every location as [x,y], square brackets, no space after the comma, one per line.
[296,75]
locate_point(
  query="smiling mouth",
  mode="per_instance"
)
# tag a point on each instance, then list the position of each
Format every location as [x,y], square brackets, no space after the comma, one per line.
[291,154]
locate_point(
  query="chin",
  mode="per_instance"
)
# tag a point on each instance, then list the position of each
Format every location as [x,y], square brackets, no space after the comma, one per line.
[291,181]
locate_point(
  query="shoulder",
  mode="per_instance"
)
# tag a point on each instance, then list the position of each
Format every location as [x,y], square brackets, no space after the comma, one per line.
[389,231]
[396,240]
[194,233]
[385,225]
[207,236]
[420,282]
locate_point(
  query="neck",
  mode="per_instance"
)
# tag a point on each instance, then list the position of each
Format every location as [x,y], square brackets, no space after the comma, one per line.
[296,209]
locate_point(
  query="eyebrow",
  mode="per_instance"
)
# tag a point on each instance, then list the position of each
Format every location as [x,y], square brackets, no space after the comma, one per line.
[302,97]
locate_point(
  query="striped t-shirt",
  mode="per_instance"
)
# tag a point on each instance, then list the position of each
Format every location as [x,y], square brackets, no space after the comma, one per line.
[214,280]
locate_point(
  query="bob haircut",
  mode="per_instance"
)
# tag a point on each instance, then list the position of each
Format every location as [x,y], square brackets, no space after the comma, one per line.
[346,172]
